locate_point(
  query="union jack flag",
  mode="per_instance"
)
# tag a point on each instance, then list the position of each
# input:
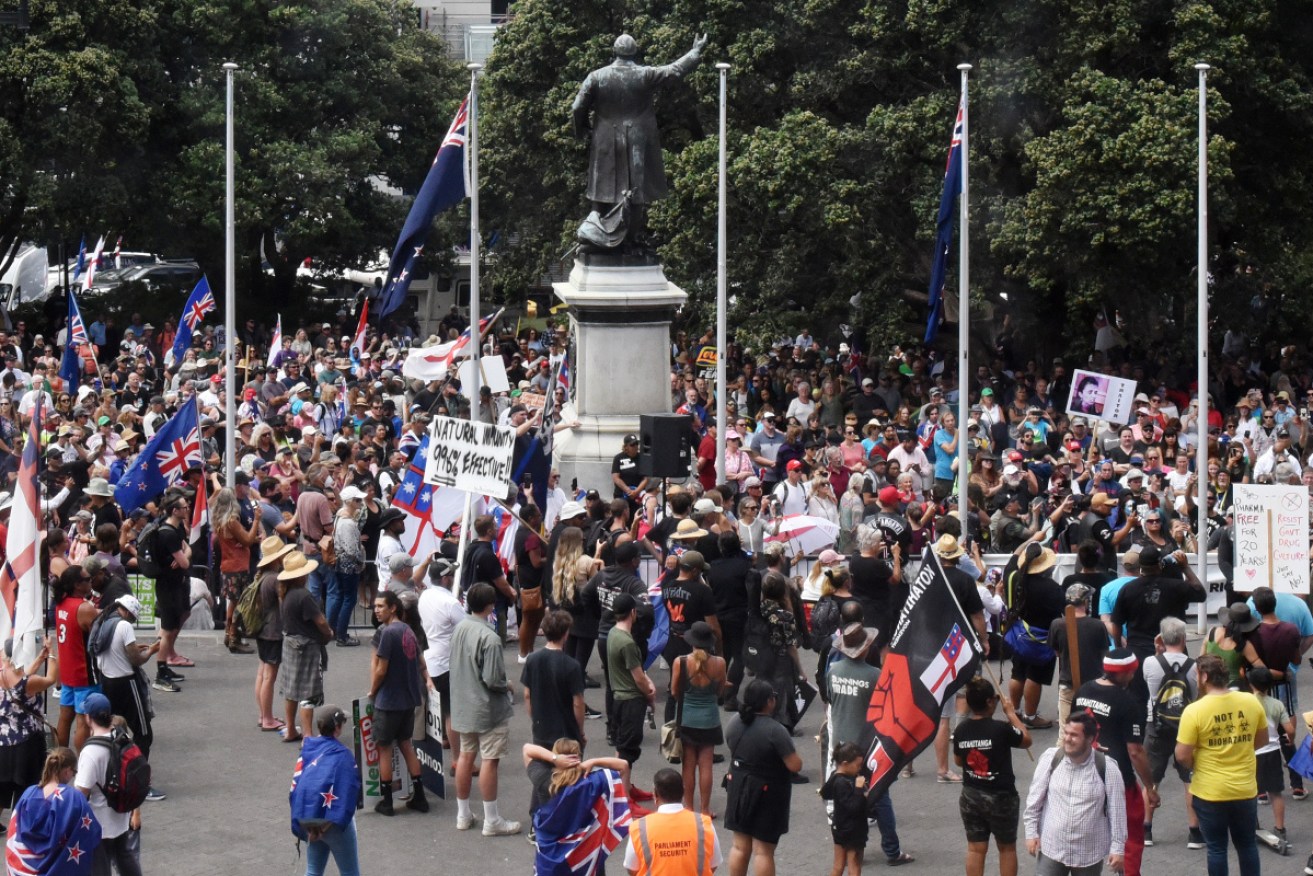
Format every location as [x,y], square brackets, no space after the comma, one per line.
[600,804]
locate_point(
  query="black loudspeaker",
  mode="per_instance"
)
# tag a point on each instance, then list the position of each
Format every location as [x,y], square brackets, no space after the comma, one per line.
[664,449]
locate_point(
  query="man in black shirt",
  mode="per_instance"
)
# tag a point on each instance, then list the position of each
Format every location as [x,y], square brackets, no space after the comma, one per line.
[625,475]
[892,525]
[1143,603]
[1091,644]
[967,595]
[1121,716]
[728,579]
[688,600]
[172,589]
[982,748]
[554,697]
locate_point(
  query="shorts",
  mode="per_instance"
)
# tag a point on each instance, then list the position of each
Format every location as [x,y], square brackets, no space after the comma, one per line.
[172,604]
[1162,750]
[627,718]
[1040,673]
[1270,773]
[949,709]
[77,696]
[491,744]
[442,684]
[270,651]
[234,583]
[393,725]
[985,813]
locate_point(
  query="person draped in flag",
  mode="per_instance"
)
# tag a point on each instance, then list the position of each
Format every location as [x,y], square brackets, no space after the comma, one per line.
[325,785]
[53,831]
[587,813]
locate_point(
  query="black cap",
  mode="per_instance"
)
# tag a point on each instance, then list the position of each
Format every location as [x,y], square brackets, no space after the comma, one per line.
[1283,433]
[626,553]
[1150,556]
[623,604]
[631,438]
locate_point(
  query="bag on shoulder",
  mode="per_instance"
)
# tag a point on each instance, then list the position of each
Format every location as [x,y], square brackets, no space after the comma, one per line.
[1029,644]
[327,550]
[97,638]
[758,652]
[148,560]
[250,611]
[1100,764]
[1173,696]
[824,623]
[127,776]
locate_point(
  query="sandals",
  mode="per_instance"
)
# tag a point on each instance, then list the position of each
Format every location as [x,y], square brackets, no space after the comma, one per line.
[903,858]
[948,778]
[277,726]
[179,660]
[908,772]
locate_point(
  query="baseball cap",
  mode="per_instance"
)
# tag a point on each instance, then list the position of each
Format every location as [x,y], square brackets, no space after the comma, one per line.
[624,603]
[351,494]
[1010,469]
[868,382]
[986,391]
[793,465]
[751,482]
[97,706]
[570,510]
[629,439]
[1079,594]
[328,718]
[626,553]
[692,560]
[889,496]
[399,561]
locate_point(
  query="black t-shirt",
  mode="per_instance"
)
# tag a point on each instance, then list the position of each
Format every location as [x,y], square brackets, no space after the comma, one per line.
[966,591]
[1143,603]
[1043,601]
[1094,527]
[760,747]
[660,534]
[872,585]
[627,467]
[482,563]
[985,746]
[896,530]
[1093,580]
[1121,721]
[553,679]
[300,613]
[168,541]
[1092,641]
[728,579]
[687,602]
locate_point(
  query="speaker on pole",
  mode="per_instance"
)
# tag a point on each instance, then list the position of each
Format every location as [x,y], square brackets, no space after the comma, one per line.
[665,445]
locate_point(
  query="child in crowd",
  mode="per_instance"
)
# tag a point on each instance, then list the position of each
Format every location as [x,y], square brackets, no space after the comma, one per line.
[846,789]
[1269,770]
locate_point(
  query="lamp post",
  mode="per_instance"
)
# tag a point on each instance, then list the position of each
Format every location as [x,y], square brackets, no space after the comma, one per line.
[1201,270]
[722,427]
[230,296]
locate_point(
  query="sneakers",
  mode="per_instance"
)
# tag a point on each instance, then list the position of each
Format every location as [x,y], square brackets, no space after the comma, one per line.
[532,837]
[1148,835]
[1298,794]
[501,827]
[522,659]
[154,796]
[1308,866]
[1196,841]
[465,822]
[164,684]
[591,713]
[170,674]
[384,807]
[348,642]
[1264,800]
[1035,722]
[418,803]
[637,793]
[593,684]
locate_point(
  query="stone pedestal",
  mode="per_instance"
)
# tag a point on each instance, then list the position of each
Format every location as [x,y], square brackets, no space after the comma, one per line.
[620,309]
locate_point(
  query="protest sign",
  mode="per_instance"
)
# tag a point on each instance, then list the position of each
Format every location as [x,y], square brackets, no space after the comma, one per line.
[474,457]
[1101,397]
[1271,537]
[492,376]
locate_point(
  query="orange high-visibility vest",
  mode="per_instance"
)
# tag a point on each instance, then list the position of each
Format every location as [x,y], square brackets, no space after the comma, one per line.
[673,844]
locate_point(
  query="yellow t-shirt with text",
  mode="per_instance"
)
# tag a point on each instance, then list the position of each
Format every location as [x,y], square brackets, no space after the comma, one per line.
[1221,729]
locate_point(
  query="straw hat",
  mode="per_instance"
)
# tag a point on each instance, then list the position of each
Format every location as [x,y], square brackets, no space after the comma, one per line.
[947,547]
[296,566]
[271,549]
[688,529]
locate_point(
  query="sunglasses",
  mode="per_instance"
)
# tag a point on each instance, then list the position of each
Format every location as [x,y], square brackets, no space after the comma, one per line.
[750,507]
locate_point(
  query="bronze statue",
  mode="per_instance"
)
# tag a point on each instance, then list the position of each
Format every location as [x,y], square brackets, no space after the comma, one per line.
[625,170]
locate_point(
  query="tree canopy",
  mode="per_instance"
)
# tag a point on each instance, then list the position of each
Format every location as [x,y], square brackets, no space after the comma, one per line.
[1083,151]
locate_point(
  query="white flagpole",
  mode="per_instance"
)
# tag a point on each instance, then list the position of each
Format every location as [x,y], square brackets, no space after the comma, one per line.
[963,315]
[722,427]
[476,336]
[1201,452]
[230,298]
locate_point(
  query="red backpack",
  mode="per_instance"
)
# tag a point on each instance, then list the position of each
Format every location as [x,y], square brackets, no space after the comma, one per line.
[127,777]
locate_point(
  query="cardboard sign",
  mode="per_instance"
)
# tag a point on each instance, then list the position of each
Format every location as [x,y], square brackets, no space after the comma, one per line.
[1101,397]
[1271,537]
[429,749]
[492,376]
[534,401]
[367,758]
[474,457]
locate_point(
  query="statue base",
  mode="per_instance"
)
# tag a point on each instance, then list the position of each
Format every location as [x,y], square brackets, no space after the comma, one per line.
[621,307]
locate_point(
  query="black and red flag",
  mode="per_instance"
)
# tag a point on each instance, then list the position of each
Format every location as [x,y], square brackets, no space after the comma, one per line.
[932,653]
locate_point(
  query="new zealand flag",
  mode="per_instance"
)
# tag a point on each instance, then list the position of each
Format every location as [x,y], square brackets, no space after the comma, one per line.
[175,448]
[51,836]
[944,227]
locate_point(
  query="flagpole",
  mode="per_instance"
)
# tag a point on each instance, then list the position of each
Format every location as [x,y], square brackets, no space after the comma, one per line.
[1201,270]
[476,335]
[963,314]
[722,343]
[230,296]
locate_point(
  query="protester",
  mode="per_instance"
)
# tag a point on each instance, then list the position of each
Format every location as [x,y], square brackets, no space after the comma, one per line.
[22,723]
[696,682]
[397,681]
[325,786]
[269,638]
[120,843]
[762,758]
[1172,679]
[982,747]
[580,799]
[439,615]
[54,829]
[305,632]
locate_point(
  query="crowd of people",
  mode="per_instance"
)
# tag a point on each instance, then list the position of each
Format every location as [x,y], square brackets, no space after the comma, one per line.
[307,536]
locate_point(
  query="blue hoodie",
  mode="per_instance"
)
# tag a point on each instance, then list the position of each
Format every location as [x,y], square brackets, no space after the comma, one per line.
[325,785]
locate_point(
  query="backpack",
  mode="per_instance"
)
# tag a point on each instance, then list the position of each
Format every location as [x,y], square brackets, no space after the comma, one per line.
[148,563]
[127,777]
[824,621]
[1173,696]
[109,616]
[250,610]
[1100,764]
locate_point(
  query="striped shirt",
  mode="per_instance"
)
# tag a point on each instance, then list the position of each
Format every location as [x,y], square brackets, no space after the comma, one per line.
[1065,810]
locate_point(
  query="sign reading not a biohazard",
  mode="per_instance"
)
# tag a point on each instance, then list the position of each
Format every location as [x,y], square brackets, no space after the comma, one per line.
[474,457]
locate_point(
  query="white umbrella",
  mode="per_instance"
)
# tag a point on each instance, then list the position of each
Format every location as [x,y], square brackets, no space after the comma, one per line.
[806,534]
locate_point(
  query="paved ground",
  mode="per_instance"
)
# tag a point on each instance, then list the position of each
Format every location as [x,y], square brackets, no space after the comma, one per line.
[227,795]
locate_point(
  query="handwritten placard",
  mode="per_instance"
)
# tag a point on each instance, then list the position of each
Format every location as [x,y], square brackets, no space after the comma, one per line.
[1271,538]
